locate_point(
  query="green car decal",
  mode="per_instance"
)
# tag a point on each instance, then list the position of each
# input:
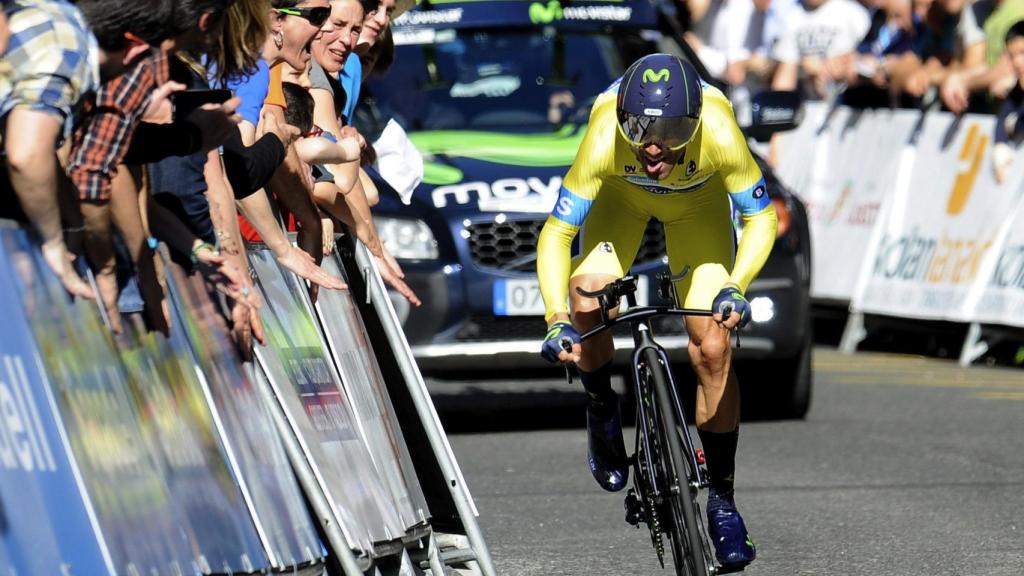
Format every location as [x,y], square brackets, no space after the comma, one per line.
[546,150]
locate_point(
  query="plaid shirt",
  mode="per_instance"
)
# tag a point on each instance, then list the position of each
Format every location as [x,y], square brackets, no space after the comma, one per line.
[52,61]
[101,141]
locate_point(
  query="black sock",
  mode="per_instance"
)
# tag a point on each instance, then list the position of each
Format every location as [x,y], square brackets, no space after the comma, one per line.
[720,455]
[598,385]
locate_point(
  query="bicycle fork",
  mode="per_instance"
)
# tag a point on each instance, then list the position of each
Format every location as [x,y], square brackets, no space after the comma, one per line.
[643,341]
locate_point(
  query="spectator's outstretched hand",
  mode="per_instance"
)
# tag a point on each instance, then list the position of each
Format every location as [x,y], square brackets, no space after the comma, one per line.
[392,279]
[327,228]
[57,257]
[216,122]
[954,93]
[303,264]
[220,270]
[350,132]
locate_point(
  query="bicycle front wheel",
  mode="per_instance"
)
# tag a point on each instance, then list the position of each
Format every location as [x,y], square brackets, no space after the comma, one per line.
[679,503]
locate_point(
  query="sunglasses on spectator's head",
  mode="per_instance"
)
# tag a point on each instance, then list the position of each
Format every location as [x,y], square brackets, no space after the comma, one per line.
[316,16]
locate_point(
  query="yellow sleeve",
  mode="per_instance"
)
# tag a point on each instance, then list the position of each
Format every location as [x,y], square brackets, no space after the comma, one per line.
[579,190]
[746,187]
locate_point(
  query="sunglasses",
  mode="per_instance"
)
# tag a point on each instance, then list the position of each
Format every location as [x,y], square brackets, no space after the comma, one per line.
[316,16]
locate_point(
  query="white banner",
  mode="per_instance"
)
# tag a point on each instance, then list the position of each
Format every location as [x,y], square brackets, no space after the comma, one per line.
[843,167]
[942,230]
[998,296]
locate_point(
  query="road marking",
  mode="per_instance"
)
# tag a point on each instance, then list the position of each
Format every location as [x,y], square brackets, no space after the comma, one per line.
[1019,396]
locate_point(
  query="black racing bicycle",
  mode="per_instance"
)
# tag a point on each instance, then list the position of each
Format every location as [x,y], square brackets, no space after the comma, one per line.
[668,469]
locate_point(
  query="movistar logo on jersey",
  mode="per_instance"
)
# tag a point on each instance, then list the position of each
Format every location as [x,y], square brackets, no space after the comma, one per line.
[660,76]
[545,14]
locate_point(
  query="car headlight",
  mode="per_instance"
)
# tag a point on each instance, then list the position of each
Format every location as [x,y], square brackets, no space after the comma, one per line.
[762,309]
[407,239]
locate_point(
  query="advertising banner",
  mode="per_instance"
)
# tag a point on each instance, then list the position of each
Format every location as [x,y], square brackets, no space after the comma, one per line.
[364,384]
[133,506]
[47,524]
[998,296]
[178,426]
[309,390]
[943,229]
[843,166]
[259,465]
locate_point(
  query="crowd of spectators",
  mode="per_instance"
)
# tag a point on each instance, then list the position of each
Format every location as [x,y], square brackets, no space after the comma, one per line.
[199,124]
[864,53]
[956,55]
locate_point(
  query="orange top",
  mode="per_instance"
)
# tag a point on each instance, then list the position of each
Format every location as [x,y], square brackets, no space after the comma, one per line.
[275,96]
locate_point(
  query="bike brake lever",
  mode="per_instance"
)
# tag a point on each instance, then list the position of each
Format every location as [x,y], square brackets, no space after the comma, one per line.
[566,344]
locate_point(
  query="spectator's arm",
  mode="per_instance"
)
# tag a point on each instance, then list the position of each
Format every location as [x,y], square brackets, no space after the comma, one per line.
[323,151]
[345,174]
[30,142]
[5,32]
[369,188]
[786,76]
[698,9]
[293,187]
[154,142]
[127,216]
[250,168]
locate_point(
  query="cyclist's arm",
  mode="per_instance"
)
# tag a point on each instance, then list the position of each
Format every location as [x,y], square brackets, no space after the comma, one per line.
[579,190]
[746,186]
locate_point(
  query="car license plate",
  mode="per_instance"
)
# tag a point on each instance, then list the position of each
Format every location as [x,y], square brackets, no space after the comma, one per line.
[514,297]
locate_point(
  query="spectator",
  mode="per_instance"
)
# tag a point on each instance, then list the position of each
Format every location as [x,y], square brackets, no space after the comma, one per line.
[342,192]
[817,45]
[293,26]
[44,79]
[719,34]
[893,33]
[1009,131]
[101,143]
[941,49]
[766,24]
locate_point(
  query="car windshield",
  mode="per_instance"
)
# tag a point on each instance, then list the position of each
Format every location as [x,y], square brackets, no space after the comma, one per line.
[504,79]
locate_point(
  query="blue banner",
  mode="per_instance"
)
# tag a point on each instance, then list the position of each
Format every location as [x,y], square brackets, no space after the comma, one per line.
[44,514]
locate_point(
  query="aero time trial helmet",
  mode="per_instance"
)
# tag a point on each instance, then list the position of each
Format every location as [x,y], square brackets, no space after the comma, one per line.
[660,99]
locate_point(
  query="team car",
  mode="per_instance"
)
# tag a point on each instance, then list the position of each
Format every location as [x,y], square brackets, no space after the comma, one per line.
[496,96]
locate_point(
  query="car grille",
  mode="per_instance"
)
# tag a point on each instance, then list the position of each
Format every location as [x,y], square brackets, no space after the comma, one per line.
[512,245]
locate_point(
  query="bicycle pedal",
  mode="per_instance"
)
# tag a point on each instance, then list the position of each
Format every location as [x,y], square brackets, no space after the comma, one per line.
[634,510]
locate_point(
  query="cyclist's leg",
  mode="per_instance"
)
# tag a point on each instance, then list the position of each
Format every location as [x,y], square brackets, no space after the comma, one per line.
[609,241]
[704,240]
[608,246]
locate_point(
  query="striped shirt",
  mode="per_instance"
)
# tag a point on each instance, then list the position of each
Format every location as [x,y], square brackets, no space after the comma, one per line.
[101,140]
[52,61]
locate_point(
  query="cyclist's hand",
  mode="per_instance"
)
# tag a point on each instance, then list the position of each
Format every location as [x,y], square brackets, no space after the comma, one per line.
[561,335]
[731,308]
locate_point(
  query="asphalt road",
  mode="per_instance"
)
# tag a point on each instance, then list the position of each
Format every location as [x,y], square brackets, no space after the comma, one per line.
[905,466]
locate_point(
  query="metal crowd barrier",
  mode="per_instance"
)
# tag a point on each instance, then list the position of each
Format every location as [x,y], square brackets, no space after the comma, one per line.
[145,454]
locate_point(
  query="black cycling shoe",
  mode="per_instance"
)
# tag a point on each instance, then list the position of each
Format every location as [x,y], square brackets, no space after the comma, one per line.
[606,450]
[733,547]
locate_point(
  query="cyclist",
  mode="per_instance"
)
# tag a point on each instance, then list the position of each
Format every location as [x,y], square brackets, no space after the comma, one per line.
[661,143]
